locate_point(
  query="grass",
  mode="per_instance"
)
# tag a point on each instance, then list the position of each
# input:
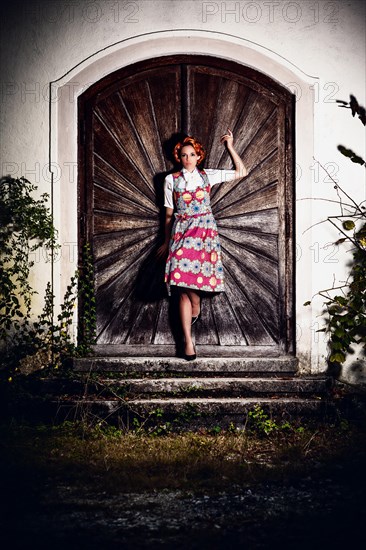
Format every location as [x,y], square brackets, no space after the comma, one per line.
[115,461]
[90,484]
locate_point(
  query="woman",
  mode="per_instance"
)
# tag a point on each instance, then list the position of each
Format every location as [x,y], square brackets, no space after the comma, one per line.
[191,238]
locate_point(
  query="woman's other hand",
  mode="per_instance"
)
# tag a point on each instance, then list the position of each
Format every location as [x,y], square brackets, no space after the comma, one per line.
[228,138]
[162,252]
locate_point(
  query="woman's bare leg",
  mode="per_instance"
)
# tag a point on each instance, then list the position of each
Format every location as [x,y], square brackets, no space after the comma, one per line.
[189,304]
[185,312]
[195,301]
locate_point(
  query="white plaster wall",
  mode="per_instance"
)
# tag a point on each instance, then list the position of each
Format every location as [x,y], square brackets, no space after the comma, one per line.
[317,49]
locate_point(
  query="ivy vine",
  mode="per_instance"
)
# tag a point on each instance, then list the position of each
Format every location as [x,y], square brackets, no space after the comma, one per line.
[86,293]
[25,226]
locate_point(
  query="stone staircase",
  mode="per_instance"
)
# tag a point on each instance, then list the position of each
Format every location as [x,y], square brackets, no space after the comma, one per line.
[153,392]
[201,394]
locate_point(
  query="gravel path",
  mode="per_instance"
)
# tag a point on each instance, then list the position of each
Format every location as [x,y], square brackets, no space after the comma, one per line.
[319,512]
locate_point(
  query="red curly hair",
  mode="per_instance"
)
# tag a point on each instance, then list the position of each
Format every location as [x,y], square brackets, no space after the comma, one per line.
[189,140]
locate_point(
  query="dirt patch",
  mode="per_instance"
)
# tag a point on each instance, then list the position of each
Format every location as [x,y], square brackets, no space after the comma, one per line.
[309,513]
[58,499]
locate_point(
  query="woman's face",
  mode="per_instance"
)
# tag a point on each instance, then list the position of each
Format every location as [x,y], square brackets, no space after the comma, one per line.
[189,158]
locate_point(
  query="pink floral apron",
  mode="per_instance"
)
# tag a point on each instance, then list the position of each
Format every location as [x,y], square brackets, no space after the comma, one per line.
[194,259]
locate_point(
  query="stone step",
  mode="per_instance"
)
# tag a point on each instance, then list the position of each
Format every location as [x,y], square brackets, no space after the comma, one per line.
[194,413]
[187,403]
[202,366]
[214,386]
[150,386]
[155,391]
[171,350]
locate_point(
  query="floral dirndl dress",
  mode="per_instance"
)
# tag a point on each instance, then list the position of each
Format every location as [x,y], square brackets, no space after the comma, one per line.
[194,259]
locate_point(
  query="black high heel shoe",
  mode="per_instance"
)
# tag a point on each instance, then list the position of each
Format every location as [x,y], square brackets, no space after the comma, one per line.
[190,357]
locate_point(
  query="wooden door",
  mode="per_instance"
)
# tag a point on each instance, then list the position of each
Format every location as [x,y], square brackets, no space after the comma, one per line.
[129,123]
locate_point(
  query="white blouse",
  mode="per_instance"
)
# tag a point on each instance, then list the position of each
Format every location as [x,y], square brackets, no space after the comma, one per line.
[193,180]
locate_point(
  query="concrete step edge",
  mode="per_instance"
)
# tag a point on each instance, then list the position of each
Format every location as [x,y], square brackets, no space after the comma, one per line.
[218,384]
[118,402]
[194,408]
[203,364]
[184,386]
[146,358]
[217,379]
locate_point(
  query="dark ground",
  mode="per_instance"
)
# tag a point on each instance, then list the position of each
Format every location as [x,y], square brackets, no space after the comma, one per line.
[47,504]
[327,513]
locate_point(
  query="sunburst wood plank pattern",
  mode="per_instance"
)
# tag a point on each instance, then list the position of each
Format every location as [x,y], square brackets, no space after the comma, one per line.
[109,297]
[163,333]
[250,322]
[121,160]
[118,242]
[112,180]
[128,153]
[261,175]
[131,127]
[221,307]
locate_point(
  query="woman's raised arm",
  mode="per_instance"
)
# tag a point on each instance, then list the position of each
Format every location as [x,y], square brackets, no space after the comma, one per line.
[240,170]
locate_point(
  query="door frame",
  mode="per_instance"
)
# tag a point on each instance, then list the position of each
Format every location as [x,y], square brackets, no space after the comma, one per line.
[267,86]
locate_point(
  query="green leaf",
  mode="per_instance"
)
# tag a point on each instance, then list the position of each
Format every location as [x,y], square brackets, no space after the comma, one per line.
[348,225]
[307,303]
[337,358]
[340,300]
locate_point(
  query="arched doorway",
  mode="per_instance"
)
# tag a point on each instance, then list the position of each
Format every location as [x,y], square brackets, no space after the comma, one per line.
[126,125]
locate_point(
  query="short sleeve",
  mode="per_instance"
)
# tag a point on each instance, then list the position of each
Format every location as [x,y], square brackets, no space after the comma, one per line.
[217,175]
[168,192]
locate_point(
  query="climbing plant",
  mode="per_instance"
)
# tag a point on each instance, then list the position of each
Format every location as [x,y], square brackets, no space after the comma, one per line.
[346,310]
[25,226]
[86,294]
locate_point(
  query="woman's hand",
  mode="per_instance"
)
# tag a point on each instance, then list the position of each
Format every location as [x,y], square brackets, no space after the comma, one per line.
[240,170]
[162,252]
[228,138]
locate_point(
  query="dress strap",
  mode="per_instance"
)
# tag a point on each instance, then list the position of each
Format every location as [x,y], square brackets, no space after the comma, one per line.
[204,177]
